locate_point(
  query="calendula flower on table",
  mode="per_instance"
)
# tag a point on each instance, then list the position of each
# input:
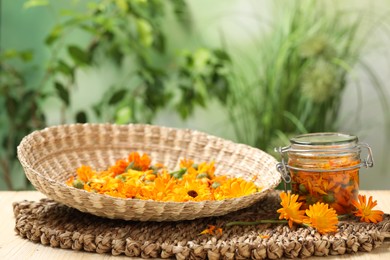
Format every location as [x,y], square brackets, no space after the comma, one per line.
[291,209]
[322,218]
[364,210]
[212,230]
[264,236]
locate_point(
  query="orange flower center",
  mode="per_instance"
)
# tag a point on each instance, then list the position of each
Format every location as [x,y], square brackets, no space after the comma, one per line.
[367,211]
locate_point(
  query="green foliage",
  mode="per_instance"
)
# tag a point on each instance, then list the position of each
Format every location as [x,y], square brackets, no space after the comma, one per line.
[302,65]
[23,112]
[131,35]
[132,32]
[203,75]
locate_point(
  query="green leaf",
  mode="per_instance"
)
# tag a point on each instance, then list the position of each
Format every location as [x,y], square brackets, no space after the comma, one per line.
[64,68]
[178,174]
[78,55]
[159,42]
[63,93]
[145,32]
[97,108]
[182,13]
[26,55]
[122,5]
[11,104]
[222,55]
[117,96]
[9,54]
[215,185]
[28,96]
[89,28]
[201,57]
[34,3]
[202,175]
[132,167]
[123,115]
[55,33]
[81,117]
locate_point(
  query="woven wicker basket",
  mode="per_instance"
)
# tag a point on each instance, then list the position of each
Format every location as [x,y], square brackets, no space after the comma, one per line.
[50,156]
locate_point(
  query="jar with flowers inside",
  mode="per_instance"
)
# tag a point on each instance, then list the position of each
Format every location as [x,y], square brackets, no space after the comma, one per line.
[324,167]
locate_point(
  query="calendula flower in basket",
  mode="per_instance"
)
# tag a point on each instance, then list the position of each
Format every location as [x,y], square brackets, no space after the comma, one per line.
[136,177]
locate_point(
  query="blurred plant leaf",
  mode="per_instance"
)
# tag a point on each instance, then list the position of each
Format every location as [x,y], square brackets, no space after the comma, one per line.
[182,13]
[81,117]
[78,55]
[117,96]
[145,32]
[25,55]
[54,34]
[123,115]
[65,69]
[122,5]
[11,104]
[35,3]
[62,92]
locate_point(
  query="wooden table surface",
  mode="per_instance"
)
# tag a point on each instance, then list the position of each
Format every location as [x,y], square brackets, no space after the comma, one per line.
[14,247]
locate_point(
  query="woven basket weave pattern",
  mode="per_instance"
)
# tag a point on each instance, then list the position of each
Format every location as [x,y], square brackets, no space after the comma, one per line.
[50,156]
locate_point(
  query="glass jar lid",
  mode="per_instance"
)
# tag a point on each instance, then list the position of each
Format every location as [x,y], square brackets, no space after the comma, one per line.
[327,138]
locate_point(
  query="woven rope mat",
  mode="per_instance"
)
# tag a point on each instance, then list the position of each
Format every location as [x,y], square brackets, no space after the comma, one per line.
[56,225]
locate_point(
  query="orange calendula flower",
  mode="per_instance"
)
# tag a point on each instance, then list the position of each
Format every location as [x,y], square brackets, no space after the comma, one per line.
[212,230]
[139,162]
[70,181]
[194,190]
[291,209]
[186,163]
[207,168]
[119,167]
[364,210]
[84,173]
[161,189]
[137,178]
[322,218]
[233,188]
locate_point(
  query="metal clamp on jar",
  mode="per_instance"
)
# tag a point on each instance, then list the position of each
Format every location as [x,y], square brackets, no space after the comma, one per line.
[324,167]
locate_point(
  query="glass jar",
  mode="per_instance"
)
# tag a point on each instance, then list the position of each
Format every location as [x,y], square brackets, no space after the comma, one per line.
[324,167]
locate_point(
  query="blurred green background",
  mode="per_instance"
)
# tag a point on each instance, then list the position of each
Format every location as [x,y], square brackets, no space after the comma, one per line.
[256,72]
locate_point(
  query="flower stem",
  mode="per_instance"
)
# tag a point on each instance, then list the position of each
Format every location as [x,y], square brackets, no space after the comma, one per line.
[257,222]
[343,216]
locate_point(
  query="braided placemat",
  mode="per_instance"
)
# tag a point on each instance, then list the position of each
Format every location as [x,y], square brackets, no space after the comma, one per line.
[50,223]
